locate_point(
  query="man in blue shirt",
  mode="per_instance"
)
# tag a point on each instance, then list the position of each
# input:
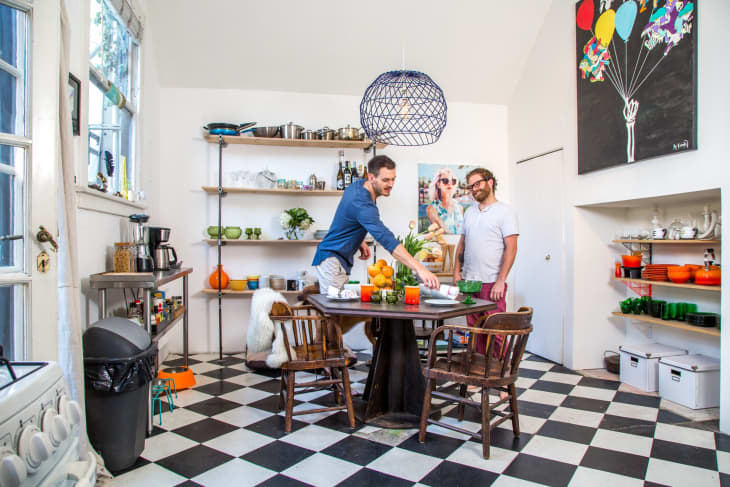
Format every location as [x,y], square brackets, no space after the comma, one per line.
[357,215]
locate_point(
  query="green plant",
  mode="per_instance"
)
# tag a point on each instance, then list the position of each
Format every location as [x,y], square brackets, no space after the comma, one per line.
[413,244]
[293,220]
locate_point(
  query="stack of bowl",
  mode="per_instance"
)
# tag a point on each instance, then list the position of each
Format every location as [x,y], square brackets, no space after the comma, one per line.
[678,274]
[632,266]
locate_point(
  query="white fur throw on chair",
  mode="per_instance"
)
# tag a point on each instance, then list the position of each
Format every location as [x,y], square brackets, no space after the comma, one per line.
[261,328]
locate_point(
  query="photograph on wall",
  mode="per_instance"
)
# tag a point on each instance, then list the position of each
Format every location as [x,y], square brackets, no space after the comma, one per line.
[442,196]
[637,80]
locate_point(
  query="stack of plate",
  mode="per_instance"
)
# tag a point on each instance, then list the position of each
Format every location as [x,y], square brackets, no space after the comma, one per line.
[655,272]
[319,234]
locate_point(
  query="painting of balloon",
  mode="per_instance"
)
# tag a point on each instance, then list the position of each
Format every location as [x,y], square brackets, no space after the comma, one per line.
[637,92]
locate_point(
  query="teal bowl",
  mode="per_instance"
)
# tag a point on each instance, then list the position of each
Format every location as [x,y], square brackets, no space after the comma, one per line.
[232,232]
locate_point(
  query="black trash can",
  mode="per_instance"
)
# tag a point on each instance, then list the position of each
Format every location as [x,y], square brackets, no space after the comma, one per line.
[119,364]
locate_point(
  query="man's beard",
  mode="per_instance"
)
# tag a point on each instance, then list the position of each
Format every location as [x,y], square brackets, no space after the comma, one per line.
[482,195]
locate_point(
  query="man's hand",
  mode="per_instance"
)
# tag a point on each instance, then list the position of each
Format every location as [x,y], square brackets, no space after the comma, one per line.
[456,278]
[364,251]
[497,291]
[429,279]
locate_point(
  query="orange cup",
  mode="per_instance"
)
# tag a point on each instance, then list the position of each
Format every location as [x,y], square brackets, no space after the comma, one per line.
[366,290]
[413,294]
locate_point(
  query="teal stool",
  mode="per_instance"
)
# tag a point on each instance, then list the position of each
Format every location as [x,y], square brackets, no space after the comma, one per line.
[160,386]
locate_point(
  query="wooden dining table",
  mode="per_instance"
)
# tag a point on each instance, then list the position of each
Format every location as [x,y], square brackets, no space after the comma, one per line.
[393,396]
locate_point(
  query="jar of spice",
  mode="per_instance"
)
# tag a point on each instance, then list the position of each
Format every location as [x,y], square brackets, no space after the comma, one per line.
[124,257]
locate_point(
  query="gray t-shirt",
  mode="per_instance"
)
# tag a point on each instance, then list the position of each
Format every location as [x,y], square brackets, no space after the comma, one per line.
[484,233]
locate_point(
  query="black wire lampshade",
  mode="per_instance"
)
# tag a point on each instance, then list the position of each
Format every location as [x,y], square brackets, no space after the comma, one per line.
[403,108]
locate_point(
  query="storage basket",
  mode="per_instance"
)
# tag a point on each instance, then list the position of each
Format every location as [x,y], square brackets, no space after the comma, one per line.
[612,361]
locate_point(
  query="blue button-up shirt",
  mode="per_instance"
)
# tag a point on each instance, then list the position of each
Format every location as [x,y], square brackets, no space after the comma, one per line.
[356,215]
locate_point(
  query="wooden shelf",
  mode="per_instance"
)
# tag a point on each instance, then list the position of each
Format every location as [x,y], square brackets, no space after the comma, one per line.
[666,241]
[247,292]
[277,141]
[669,284]
[671,323]
[297,192]
[243,241]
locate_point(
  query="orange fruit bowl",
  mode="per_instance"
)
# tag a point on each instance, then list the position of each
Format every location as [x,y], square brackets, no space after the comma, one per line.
[678,277]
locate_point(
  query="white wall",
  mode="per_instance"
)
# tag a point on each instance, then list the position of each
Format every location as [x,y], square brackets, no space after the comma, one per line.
[475,134]
[542,116]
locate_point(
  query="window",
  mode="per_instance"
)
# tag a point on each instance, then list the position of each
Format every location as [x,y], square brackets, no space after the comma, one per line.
[113,95]
[14,148]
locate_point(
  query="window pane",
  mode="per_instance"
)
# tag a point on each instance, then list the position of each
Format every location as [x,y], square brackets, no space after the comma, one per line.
[11,206]
[9,21]
[12,75]
[11,321]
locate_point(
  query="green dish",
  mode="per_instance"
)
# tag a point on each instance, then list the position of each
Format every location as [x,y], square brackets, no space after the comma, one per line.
[232,232]
[213,231]
[469,287]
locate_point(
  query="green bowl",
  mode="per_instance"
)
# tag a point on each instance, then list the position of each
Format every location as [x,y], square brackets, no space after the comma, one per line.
[469,286]
[376,297]
[213,231]
[232,232]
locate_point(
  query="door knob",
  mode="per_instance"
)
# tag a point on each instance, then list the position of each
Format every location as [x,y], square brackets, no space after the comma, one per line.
[547,257]
[44,235]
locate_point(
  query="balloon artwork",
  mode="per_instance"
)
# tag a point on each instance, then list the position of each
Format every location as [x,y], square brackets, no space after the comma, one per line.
[667,24]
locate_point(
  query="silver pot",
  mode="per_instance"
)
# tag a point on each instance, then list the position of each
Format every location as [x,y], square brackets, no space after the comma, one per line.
[348,133]
[265,131]
[290,131]
[277,283]
[327,133]
[310,135]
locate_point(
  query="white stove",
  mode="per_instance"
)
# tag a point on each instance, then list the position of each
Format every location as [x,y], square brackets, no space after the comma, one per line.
[40,427]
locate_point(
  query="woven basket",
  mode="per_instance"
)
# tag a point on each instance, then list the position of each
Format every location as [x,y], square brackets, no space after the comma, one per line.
[611,361]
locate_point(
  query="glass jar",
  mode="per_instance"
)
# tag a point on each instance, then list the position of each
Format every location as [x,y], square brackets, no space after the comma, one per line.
[124,257]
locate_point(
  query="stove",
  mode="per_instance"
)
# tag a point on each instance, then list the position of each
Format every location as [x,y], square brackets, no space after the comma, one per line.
[40,427]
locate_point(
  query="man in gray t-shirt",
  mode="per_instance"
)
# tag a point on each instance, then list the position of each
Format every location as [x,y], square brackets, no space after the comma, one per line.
[488,243]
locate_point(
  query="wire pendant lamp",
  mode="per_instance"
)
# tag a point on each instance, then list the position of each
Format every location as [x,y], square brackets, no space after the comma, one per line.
[403,108]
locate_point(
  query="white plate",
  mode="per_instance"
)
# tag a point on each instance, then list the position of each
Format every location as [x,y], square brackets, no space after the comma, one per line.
[441,302]
[337,298]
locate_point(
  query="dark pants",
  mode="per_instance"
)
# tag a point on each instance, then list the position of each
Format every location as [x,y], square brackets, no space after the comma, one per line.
[472,319]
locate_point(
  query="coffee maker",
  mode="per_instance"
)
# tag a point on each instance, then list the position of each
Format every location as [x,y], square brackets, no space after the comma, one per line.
[165,257]
[141,242]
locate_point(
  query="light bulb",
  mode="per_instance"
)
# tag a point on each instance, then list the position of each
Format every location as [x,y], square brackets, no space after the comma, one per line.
[404,106]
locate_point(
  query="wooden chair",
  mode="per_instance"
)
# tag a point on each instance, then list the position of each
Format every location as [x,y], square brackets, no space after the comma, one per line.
[307,334]
[495,369]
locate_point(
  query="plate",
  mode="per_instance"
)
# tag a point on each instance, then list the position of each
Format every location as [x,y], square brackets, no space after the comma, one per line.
[441,302]
[337,298]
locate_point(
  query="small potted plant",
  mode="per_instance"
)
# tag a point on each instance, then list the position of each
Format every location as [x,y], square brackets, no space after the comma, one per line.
[295,221]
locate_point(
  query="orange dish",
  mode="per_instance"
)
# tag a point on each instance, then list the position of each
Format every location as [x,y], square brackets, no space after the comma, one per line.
[631,260]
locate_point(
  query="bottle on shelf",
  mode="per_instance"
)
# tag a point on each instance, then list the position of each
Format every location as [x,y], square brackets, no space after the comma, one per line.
[364,172]
[340,173]
[355,176]
[348,174]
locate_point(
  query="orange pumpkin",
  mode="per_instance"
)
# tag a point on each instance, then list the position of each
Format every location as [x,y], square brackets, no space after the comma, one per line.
[709,277]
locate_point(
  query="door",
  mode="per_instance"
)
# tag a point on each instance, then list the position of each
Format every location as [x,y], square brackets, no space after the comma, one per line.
[538,269]
[28,179]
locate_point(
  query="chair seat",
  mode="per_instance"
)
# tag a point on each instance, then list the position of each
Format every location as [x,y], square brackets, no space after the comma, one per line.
[314,353]
[476,375]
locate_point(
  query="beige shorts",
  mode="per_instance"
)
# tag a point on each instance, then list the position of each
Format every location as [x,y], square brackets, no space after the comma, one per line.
[331,273]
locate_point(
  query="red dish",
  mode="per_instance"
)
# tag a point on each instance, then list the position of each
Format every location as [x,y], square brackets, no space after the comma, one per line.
[631,260]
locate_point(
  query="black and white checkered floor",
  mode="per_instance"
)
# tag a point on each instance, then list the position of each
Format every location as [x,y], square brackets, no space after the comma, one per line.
[576,431]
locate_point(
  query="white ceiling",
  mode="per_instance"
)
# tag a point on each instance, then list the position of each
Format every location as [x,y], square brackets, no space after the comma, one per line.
[474,49]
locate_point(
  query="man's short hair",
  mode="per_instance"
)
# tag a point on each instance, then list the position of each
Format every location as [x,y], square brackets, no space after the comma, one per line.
[378,162]
[486,174]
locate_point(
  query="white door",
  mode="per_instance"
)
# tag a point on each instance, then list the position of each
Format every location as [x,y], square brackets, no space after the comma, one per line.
[538,269]
[28,178]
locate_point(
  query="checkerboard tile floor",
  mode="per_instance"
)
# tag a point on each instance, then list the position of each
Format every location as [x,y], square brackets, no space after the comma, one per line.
[576,431]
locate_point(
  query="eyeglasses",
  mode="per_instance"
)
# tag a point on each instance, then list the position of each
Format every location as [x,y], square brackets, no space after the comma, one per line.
[447,180]
[474,185]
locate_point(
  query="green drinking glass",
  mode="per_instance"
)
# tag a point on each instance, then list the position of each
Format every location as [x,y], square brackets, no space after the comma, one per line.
[468,288]
[672,311]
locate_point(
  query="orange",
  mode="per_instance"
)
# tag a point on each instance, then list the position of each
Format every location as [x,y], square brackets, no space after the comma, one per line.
[373,270]
[389,283]
[387,271]
[379,280]
[381,263]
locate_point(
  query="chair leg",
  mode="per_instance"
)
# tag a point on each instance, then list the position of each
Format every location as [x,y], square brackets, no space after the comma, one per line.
[282,385]
[289,401]
[513,407]
[485,422]
[348,396]
[426,410]
[335,388]
[460,407]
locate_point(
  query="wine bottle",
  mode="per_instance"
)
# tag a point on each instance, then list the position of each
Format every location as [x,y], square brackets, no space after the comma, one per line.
[348,174]
[364,172]
[355,176]
[340,178]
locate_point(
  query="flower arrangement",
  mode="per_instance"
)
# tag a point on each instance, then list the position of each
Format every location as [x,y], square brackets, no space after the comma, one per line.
[417,245]
[295,220]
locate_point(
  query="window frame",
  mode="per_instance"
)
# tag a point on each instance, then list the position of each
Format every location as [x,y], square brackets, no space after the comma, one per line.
[18,276]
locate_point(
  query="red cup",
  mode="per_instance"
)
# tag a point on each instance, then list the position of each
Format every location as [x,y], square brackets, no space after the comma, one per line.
[366,290]
[413,294]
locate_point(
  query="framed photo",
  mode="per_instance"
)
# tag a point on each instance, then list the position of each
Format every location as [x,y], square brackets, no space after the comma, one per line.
[74,93]
[637,80]
[442,196]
